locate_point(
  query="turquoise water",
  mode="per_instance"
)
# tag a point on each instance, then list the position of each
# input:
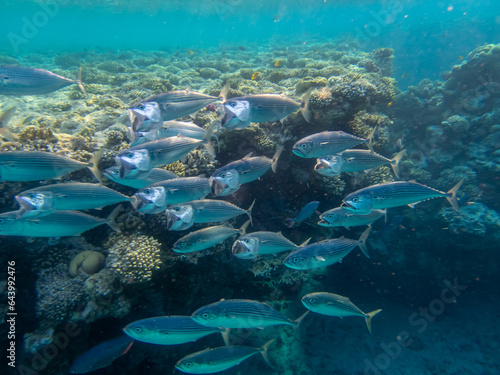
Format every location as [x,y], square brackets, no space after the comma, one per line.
[418,76]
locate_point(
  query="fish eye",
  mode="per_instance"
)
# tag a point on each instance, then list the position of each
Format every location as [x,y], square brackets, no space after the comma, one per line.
[130,154]
[138,330]
[187,364]
[31,195]
[223,175]
[206,315]
[330,216]
[303,145]
[311,300]
[354,199]
[147,191]
[232,104]
[141,106]
[183,244]
[177,209]
[246,240]
[296,259]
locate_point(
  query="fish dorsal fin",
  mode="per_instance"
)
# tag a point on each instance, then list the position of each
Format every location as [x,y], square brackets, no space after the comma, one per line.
[249,155]
[188,89]
[414,181]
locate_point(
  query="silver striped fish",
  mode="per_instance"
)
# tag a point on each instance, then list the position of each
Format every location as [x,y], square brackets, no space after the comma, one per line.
[335,305]
[150,113]
[37,165]
[338,217]
[214,360]
[144,157]
[155,198]
[17,80]
[325,253]
[228,179]
[141,179]
[240,111]
[240,313]
[169,129]
[355,161]
[395,194]
[168,330]
[325,143]
[183,216]
[204,238]
[253,244]
[68,196]
[55,224]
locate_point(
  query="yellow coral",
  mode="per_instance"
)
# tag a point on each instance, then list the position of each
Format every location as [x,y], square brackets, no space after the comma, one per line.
[177,167]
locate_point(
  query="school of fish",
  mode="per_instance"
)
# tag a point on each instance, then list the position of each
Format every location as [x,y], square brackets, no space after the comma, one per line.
[158,139]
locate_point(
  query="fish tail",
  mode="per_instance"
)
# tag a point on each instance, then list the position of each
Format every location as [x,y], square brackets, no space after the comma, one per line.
[4,120]
[300,319]
[452,195]
[276,156]
[243,228]
[395,162]
[362,241]
[368,319]
[370,138]
[112,218]
[249,212]
[306,106]
[224,92]
[225,336]
[79,81]
[305,242]
[206,139]
[264,349]
[93,164]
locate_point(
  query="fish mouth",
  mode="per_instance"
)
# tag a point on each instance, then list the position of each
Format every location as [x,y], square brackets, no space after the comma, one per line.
[298,152]
[137,119]
[323,223]
[217,186]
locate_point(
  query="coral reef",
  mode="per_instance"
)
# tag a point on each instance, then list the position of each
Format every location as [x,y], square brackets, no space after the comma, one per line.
[476,219]
[58,294]
[88,261]
[134,258]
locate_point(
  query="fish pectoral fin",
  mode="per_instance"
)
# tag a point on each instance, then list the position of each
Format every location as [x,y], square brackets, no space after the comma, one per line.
[412,205]
[320,258]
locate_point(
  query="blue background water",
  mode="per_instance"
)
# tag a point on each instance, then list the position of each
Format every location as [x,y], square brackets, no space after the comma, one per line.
[428,36]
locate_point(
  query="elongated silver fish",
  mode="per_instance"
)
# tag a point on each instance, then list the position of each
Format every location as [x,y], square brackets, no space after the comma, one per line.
[149,114]
[37,165]
[240,313]
[228,179]
[55,224]
[335,305]
[204,238]
[239,112]
[395,194]
[325,253]
[253,244]
[101,355]
[339,217]
[169,129]
[214,360]
[355,161]
[168,330]
[5,117]
[183,216]
[68,196]
[144,157]
[17,80]
[325,143]
[141,179]
[155,198]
